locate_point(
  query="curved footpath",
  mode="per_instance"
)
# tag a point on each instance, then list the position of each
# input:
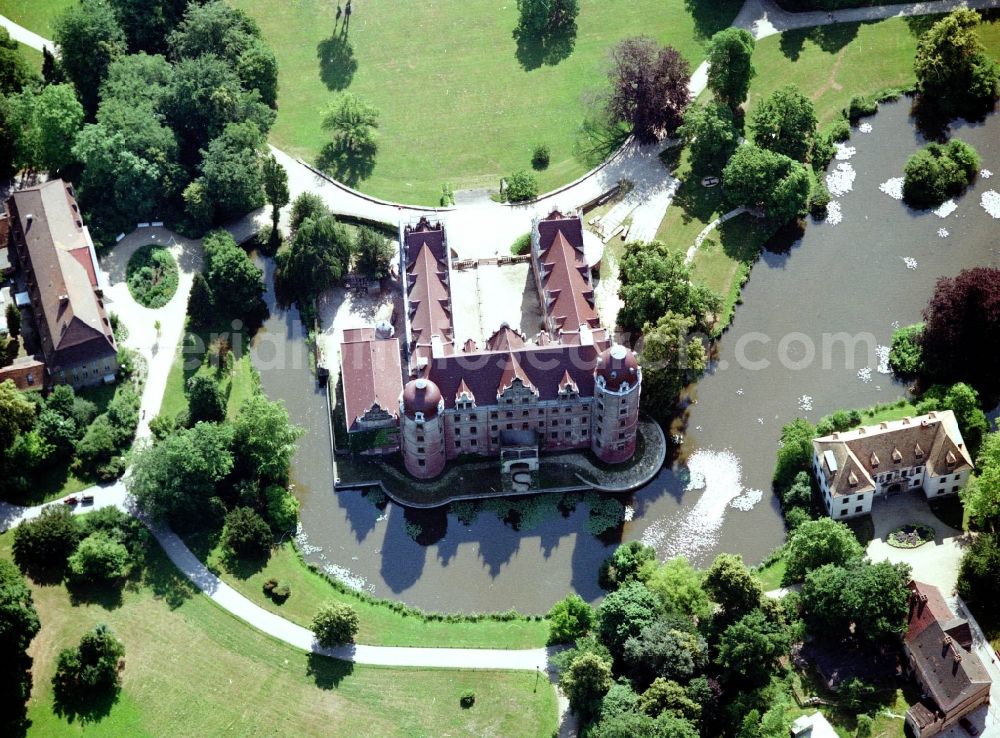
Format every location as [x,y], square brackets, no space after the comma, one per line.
[653,190]
[639,164]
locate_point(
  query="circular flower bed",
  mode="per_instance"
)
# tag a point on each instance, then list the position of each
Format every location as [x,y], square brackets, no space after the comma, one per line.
[911,536]
[152,276]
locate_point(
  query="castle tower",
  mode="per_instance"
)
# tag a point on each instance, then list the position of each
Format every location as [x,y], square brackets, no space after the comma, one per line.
[421,412]
[615,410]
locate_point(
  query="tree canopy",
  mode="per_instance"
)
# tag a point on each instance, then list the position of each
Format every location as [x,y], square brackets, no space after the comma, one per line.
[730,70]
[981,495]
[670,360]
[236,283]
[264,439]
[938,172]
[711,136]
[654,281]
[759,178]
[649,87]
[962,330]
[316,257]
[785,122]
[89,40]
[954,72]
[819,542]
[731,585]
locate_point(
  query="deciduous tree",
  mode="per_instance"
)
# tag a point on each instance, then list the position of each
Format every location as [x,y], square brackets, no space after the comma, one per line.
[731,585]
[710,134]
[785,122]
[761,179]
[730,60]
[671,359]
[335,624]
[819,542]
[585,682]
[569,619]
[649,87]
[89,40]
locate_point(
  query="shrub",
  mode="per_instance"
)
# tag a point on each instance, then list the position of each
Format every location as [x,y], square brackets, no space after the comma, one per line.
[521,186]
[861,106]
[540,157]
[937,172]
[819,198]
[246,533]
[447,195]
[282,508]
[335,624]
[840,130]
[521,245]
[47,541]
[281,593]
[905,356]
[89,669]
[99,558]
[569,619]
[269,585]
[151,275]
[823,152]
[468,699]
[865,725]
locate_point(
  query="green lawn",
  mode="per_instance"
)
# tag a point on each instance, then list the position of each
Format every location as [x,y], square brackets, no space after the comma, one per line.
[191,669]
[456,104]
[237,385]
[33,56]
[833,64]
[771,575]
[35,15]
[380,625]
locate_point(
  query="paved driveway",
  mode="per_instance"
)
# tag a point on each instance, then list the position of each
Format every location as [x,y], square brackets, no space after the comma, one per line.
[936,562]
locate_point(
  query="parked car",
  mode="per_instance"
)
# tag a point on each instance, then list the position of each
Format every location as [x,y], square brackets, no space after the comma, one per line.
[88,499]
[969,727]
[71,500]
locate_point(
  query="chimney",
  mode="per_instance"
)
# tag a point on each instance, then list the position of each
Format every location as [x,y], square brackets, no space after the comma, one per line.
[63,299]
[29,218]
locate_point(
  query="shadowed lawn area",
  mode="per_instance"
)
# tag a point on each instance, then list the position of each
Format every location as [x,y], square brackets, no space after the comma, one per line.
[34,57]
[35,15]
[770,576]
[380,625]
[457,104]
[237,384]
[191,669]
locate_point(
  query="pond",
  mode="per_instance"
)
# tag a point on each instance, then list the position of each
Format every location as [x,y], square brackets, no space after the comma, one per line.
[786,355]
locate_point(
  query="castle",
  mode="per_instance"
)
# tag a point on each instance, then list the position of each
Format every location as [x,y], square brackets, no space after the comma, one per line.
[570,387]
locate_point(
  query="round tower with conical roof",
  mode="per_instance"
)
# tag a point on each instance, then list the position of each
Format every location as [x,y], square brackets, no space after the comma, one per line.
[421,411]
[615,410]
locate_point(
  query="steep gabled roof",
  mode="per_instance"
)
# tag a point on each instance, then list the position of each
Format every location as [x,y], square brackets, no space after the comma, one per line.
[372,375]
[429,298]
[63,271]
[567,295]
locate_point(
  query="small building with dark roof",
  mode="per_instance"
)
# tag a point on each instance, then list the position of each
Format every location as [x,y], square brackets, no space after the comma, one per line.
[938,647]
[56,254]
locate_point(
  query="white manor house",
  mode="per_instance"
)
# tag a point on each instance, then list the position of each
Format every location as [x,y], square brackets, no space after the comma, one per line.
[856,466]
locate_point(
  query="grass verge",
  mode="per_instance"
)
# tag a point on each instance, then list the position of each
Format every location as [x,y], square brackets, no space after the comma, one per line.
[383,623]
[193,667]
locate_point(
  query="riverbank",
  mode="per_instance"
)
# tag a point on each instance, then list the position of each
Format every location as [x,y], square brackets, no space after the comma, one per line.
[479,478]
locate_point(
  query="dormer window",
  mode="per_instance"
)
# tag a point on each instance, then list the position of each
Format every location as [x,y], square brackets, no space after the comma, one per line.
[874,459]
[896,456]
[918,452]
[950,459]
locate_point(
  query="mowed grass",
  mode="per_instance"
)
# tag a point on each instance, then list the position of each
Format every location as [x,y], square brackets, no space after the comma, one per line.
[379,624]
[456,104]
[833,64]
[199,354]
[35,15]
[33,56]
[191,669]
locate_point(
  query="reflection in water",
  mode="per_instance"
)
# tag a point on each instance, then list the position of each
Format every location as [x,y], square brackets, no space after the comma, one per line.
[850,278]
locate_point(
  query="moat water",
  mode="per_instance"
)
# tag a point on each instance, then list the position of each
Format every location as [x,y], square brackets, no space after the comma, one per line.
[863,276]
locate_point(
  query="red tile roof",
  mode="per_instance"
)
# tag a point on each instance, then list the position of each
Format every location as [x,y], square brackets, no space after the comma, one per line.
[567,293]
[542,367]
[428,289]
[63,275]
[371,372]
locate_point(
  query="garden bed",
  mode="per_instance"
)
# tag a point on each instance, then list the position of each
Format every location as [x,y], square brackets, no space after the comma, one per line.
[910,536]
[152,276]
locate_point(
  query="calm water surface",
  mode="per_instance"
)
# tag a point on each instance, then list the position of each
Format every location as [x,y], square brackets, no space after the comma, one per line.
[849,277]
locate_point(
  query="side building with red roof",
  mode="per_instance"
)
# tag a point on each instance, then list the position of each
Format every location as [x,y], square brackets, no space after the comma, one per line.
[56,255]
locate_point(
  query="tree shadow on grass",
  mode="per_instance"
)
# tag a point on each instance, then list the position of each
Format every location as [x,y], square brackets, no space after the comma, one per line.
[597,137]
[711,16]
[106,594]
[829,39]
[243,567]
[328,672]
[166,581]
[348,165]
[337,64]
[549,48]
[86,707]
[15,689]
